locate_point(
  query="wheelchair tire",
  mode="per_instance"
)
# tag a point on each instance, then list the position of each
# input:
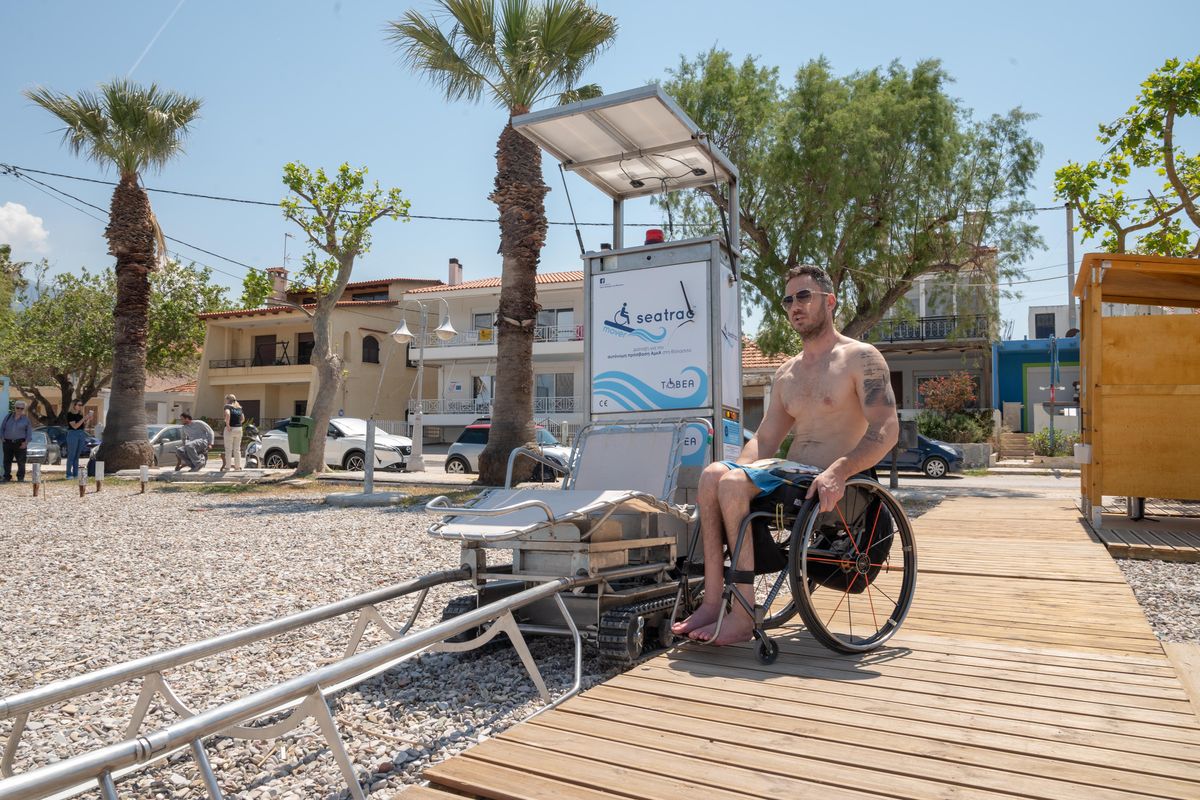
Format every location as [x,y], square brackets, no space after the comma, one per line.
[767,651]
[853,592]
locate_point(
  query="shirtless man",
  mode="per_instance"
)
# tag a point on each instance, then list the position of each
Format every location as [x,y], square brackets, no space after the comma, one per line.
[836,397]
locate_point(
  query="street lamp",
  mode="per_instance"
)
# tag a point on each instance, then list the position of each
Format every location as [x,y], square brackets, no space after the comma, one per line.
[402,335]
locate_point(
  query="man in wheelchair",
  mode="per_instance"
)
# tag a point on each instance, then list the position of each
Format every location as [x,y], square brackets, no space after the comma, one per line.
[835,397]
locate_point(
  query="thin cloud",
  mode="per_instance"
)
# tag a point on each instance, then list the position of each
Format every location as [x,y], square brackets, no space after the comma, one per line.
[22,230]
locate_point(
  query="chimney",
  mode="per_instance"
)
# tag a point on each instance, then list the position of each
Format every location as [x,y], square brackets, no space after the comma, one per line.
[455,272]
[279,284]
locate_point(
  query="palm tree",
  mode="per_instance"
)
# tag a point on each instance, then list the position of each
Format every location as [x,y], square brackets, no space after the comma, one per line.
[519,54]
[132,128]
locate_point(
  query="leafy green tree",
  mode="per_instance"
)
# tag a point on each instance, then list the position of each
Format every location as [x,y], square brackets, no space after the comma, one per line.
[256,288]
[12,278]
[1140,142]
[131,128]
[60,335]
[519,53]
[336,215]
[880,177]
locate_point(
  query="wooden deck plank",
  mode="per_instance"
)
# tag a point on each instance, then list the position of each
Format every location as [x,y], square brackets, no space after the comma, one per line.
[867,749]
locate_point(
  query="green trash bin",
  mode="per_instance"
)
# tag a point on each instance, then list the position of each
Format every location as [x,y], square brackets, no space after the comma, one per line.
[299,434]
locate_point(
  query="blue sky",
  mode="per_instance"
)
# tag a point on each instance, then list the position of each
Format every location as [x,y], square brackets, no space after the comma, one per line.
[316,82]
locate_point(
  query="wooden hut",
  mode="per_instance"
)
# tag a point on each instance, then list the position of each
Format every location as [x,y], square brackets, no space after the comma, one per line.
[1140,380]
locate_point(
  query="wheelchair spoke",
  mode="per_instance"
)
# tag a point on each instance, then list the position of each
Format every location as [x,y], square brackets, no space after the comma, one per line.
[849,530]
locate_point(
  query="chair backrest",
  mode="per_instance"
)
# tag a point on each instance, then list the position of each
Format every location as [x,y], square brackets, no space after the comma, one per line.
[637,456]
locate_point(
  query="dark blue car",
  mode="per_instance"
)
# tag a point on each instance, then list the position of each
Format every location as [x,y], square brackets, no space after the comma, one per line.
[58,434]
[936,459]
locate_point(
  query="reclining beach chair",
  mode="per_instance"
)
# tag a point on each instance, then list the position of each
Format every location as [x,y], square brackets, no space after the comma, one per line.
[616,514]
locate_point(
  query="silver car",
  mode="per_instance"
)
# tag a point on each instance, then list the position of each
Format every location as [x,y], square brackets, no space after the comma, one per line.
[40,450]
[165,440]
[463,455]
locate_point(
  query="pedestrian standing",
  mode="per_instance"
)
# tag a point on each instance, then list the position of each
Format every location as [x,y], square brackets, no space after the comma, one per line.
[234,419]
[16,431]
[77,423]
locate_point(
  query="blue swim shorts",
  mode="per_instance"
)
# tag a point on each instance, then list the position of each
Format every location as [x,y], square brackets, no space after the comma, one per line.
[769,474]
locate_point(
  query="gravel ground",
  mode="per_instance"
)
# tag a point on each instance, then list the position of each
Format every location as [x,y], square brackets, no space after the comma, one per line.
[1169,594]
[117,575]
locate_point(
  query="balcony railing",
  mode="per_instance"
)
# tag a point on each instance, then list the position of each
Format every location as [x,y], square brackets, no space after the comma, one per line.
[483,408]
[972,326]
[541,333]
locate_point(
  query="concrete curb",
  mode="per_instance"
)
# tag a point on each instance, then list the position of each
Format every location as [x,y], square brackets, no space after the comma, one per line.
[360,500]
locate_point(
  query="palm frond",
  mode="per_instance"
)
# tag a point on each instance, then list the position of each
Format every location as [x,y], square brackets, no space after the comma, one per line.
[425,48]
[124,125]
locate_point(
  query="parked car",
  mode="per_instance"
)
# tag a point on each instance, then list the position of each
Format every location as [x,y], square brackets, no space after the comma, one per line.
[58,435]
[41,449]
[463,455]
[936,459]
[345,447]
[165,440]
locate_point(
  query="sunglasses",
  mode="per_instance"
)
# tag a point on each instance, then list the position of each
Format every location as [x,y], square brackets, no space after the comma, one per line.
[802,296]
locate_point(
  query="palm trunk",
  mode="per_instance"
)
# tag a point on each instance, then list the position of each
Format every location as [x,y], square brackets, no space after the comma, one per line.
[131,240]
[519,196]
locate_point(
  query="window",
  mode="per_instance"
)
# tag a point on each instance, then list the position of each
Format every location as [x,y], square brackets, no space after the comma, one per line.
[555,325]
[1043,326]
[482,325]
[554,392]
[379,294]
[300,408]
[370,350]
[473,436]
[304,348]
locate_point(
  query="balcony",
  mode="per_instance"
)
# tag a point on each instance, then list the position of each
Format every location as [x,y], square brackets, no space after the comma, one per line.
[460,412]
[972,326]
[487,336]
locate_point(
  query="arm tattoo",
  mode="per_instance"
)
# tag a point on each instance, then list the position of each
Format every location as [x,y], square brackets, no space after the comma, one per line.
[877,389]
[874,435]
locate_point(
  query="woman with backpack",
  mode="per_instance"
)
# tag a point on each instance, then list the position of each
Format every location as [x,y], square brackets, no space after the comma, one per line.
[234,419]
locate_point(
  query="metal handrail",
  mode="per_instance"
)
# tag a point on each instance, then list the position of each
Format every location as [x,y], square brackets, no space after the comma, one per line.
[536,455]
[33,699]
[100,764]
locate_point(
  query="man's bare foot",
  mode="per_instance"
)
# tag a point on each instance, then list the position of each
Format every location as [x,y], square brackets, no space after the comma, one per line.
[736,627]
[702,616]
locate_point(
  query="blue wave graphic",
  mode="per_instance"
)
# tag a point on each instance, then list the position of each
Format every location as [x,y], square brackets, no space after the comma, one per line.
[635,395]
[640,333]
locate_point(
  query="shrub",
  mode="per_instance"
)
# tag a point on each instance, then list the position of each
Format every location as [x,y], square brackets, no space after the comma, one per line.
[1063,444]
[960,428]
[949,394]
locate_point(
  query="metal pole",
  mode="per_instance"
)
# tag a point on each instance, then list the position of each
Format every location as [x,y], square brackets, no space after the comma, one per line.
[618,231]
[416,461]
[1053,381]
[1070,266]
[369,458]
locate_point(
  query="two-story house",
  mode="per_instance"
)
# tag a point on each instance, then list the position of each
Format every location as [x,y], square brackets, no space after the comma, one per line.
[263,355]
[463,369]
[945,323]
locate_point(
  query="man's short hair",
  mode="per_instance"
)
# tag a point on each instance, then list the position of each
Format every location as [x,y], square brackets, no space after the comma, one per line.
[185,415]
[819,276]
[20,404]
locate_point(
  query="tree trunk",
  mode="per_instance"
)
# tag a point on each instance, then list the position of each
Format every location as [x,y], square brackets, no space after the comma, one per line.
[328,367]
[519,196]
[130,235]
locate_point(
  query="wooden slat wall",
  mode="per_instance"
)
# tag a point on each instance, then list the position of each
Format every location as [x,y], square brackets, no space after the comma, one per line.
[1026,669]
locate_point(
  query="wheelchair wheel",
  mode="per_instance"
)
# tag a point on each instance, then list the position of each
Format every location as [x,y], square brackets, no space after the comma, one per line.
[853,571]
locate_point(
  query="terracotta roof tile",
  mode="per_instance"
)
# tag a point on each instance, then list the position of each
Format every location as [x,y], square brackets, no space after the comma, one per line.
[542,279]
[753,358]
[183,388]
[381,281]
[264,311]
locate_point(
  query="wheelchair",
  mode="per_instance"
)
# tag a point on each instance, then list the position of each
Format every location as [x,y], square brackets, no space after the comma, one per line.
[850,573]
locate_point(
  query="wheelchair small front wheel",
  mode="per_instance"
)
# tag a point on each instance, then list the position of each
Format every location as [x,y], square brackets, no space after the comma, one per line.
[853,570]
[767,650]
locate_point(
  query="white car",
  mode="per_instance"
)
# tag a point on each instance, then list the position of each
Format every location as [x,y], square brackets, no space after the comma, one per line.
[345,447]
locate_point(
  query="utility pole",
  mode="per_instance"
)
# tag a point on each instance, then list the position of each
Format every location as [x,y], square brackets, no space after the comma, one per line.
[1070,266]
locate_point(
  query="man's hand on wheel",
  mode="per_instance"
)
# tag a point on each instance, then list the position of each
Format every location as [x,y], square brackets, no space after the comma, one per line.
[829,489]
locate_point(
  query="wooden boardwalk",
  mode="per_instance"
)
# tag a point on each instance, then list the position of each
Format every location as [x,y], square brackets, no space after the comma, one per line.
[1025,670]
[1170,531]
